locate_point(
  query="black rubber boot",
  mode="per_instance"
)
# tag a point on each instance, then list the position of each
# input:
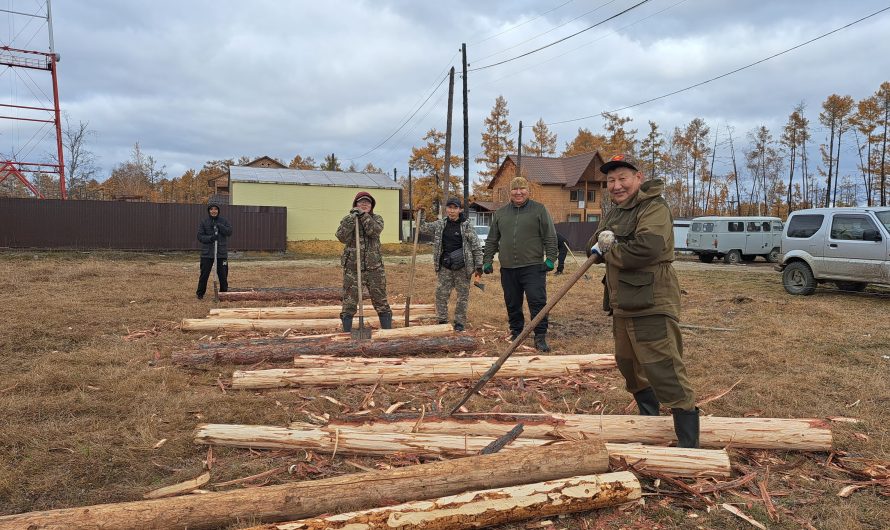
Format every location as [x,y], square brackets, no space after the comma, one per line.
[686,427]
[458,326]
[347,322]
[541,343]
[647,402]
[385,320]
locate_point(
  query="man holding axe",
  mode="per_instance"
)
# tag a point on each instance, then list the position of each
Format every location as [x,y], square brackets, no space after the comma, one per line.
[636,242]
[457,257]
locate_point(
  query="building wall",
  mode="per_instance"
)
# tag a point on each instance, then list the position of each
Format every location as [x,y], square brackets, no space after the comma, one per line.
[314,212]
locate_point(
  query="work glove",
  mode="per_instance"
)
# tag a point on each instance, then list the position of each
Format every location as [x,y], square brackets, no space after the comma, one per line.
[355,212]
[604,243]
[213,238]
[487,268]
[549,264]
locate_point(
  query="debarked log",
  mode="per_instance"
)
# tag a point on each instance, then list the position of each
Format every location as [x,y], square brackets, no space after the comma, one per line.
[667,460]
[271,324]
[481,509]
[300,294]
[333,371]
[310,498]
[805,434]
[321,311]
[286,350]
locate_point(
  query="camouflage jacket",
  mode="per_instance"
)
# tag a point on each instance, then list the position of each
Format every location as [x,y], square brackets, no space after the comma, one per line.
[471,247]
[370,227]
[640,278]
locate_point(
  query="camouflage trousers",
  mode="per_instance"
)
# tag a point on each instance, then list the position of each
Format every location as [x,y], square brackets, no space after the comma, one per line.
[375,281]
[649,352]
[447,280]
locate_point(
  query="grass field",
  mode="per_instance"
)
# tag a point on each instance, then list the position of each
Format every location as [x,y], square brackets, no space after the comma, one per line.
[87,392]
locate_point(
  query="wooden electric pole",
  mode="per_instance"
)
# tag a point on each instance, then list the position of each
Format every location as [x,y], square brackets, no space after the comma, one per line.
[519,155]
[448,133]
[466,131]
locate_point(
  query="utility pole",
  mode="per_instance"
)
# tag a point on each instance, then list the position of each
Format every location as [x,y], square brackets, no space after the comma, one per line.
[711,176]
[467,131]
[735,170]
[448,133]
[410,205]
[395,173]
[519,153]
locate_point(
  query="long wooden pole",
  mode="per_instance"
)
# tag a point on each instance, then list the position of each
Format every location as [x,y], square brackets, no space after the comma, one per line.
[271,324]
[310,498]
[298,312]
[525,333]
[413,269]
[482,509]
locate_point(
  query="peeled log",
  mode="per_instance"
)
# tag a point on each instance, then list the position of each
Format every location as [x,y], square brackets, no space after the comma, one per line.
[755,433]
[310,498]
[270,324]
[332,371]
[321,311]
[481,509]
[286,350]
[299,294]
[667,460]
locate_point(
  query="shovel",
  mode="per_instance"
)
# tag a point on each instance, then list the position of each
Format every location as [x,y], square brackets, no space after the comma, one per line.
[214,271]
[362,332]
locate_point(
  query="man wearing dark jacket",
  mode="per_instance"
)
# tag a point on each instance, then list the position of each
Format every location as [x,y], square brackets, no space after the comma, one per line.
[522,234]
[563,245]
[214,229]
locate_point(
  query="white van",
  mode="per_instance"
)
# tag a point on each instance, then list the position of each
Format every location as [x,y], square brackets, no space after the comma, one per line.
[735,239]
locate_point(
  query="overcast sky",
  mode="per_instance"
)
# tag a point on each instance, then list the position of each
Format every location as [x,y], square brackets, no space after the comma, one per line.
[198,80]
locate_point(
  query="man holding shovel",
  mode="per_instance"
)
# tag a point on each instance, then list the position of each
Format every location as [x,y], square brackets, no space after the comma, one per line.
[636,242]
[214,233]
[457,257]
[370,225]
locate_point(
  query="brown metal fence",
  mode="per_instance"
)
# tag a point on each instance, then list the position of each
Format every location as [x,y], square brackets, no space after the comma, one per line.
[58,224]
[577,233]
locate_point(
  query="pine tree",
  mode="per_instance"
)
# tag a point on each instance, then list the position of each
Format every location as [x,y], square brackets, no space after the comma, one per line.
[585,142]
[429,160]
[496,145]
[331,163]
[543,141]
[651,150]
[298,162]
[620,139]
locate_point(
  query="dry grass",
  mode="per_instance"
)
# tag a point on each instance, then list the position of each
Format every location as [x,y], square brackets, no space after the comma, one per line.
[86,389]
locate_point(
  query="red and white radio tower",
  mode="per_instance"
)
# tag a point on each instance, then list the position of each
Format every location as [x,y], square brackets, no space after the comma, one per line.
[15,162]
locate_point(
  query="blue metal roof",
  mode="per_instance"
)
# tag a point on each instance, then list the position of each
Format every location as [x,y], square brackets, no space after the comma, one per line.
[311,177]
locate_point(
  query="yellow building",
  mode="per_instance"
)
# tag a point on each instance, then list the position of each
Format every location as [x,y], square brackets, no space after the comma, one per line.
[316,200]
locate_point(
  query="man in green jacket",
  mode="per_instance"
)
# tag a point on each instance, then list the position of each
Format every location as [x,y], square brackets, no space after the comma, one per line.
[636,242]
[522,234]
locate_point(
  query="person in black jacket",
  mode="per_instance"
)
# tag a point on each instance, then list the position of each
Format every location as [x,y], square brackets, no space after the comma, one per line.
[214,229]
[563,245]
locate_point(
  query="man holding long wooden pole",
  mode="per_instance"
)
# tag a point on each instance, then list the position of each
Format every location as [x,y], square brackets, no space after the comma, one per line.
[636,242]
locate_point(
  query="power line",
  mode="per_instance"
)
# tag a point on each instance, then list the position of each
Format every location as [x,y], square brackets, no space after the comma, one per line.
[725,74]
[522,23]
[562,39]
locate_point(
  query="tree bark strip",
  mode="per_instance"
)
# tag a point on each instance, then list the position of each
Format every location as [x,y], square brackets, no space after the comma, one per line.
[269,324]
[300,312]
[286,350]
[482,509]
[333,371]
[298,294]
[806,434]
[668,460]
[311,498]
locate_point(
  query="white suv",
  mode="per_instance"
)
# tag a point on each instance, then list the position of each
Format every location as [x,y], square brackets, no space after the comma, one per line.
[847,246]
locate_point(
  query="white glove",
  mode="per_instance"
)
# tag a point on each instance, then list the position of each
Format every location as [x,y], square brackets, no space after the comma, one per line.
[595,249]
[605,241]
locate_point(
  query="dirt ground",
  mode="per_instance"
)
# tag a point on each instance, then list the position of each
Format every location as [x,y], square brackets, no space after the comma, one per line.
[87,392]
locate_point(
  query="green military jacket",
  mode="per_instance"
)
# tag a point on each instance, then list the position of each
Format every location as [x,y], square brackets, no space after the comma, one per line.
[521,236]
[370,227]
[472,249]
[640,279]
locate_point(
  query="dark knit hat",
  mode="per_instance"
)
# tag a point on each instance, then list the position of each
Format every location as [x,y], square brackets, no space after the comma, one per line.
[364,195]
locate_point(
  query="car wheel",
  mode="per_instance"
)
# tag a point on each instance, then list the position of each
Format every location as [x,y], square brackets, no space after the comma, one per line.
[851,286]
[797,278]
[773,256]
[706,258]
[749,257]
[733,257]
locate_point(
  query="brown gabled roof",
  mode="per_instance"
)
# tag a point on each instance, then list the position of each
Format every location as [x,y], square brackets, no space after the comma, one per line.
[488,206]
[266,161]
[562,171]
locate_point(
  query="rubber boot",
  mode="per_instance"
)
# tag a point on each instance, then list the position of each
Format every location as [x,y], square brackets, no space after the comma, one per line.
[347,322]
[686,427]
[647,402]
[385,320]
[541,343]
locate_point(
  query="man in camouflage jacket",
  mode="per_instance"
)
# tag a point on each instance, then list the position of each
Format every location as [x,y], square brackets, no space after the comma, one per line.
[454,235]
[636,242]
[373,274]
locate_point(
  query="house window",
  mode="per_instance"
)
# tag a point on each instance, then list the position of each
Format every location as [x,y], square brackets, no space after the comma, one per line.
[502,194]
[593,218]
[573,218]
[576,195]
[483,218]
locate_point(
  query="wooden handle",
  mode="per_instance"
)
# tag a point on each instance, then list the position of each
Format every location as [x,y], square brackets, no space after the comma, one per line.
[413,264]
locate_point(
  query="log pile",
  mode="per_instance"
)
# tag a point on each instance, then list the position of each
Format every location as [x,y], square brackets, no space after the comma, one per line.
[311,498]
[298,294]
[284,350]
[275,324]
[666,460]
[303,312]
[716,432]
[482,509]
[333,371]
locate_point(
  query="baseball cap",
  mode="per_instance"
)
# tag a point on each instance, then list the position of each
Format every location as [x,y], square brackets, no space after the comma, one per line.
[619,161]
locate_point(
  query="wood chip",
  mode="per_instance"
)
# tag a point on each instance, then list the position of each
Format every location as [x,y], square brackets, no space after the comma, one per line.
[161,442]
[738,513]
[179,489]
[717,396]
[842,419]
[332,400]
[395,406]
[846,491]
